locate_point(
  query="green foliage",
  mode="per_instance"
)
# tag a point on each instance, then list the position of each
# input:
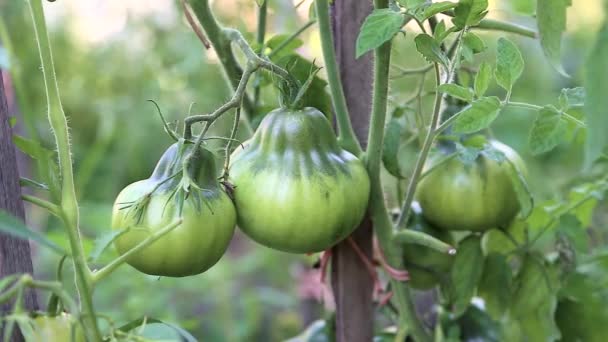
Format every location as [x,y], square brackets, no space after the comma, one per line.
[509,64]
[547,131]
[379,27]
[465,274]
[459,92]
[596,76]
[430,50]
[551,19]
[478,115]
[470,12]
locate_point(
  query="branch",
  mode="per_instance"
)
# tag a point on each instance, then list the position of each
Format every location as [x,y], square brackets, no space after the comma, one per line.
[109,268]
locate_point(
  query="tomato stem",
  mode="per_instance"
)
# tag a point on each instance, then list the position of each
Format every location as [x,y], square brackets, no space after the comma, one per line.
[109,268]
[346,134]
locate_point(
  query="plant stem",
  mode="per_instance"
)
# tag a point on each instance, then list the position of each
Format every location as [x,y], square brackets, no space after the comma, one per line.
[262,14]
[69,205]
[235,127]
[426,147]
[221,45]
[537,108]
[377,208]
[346,134]
[51,207]
[291,38]
[109,268]
[497,25]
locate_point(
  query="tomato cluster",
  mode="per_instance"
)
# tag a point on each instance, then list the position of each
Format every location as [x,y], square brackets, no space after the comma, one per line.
[295,190]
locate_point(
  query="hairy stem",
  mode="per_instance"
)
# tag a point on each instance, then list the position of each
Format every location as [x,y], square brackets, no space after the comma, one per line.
[347,137]
[69,205]
[378,211]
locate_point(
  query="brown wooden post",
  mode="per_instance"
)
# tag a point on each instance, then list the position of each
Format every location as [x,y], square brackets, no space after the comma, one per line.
[15,254]
[351,282]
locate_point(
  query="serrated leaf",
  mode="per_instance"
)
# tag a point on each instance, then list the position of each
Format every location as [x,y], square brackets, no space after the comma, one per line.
[392,140]
[596,83]
[551,19]
[572,98]
[470,12]
[287,49]
[457,91]
[12,226]
[495,285]
[422,13]
[379,27]
[430,50]
[477,116]
[465,273]
[509,63]
[482,79]
[548,130]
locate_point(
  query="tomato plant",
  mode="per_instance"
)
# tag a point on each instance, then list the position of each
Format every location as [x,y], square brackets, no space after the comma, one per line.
[528,260]
[475,196]
[192,195]
[296,189]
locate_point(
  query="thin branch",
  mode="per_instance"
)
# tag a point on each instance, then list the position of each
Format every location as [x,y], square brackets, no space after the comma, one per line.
[197,30]
[109,268]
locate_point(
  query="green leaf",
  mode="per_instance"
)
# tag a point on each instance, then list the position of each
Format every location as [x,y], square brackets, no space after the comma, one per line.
[470,12]
[572,98]
[534,284]
[495,285]
[551,19]
[466,273]
[473,42]
[482,79]
[422,13]
[12,226]
[146,322]
[584,212]
[457,91]
[509,63]
[392,140]
[477,116]
[440,30]
[548,130]
[430,50]
[379,27]
[596,83]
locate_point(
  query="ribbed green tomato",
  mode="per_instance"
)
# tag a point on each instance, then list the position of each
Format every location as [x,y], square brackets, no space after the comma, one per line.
[196,197]
[475,197]
[54,328]
[296,190]
[426,265]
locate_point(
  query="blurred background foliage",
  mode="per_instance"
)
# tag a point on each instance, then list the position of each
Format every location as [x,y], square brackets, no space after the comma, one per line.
[111,56]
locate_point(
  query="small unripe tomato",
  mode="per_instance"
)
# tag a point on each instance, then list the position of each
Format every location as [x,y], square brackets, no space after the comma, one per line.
[194,196]
[475,197]
[296,190]
[54,328]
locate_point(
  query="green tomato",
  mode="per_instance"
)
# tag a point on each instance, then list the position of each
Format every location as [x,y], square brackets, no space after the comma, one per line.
[54,328]
[475,197]
[147,206]
[296,190]
[426,266]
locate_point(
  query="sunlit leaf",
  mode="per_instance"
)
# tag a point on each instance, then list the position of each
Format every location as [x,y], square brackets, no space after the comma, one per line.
[509,63]
[379,27]
[477,116]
